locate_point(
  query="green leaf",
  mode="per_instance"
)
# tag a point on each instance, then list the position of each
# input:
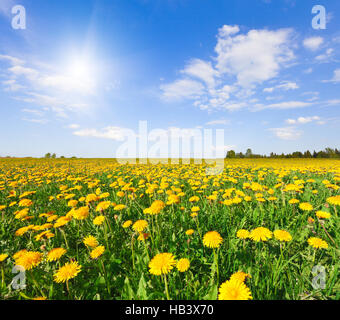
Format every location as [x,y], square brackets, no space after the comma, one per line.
[100,281]
[212,294]
[141,292]
[128,289]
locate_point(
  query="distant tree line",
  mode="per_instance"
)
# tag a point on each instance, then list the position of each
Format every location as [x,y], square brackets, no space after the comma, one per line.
[54,156]
[327,153]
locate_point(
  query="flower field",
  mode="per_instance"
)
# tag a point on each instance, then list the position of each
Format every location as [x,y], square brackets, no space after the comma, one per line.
[96,229]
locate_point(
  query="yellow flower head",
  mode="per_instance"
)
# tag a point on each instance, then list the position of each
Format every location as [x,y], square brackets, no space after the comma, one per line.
[103,205]
[119,207]
[183,265]
[282,235]
[127,224]
[97,252]
[140,225]
[67,272]
[55,254]
[240,275]
[260,234]
[194,199]
[195,209]
[242,234]
[72,203]
[90,241]
[212,239]
[81,213]
[189,232]
[234,290]
[29,259]
[98,220]
[156,207]
[335,201]
[3,256]
[162,263]
[317,243]
[25,203]
[323,214]
[305,206]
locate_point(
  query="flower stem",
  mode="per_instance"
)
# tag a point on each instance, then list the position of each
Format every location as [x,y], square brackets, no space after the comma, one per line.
[166,287]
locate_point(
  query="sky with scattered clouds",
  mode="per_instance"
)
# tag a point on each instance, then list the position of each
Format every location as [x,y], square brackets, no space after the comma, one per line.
[84,74]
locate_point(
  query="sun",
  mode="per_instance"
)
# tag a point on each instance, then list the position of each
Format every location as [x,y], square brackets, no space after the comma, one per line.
[80,69]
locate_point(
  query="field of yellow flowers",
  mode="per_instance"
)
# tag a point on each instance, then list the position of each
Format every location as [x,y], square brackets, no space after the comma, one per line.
[96,229]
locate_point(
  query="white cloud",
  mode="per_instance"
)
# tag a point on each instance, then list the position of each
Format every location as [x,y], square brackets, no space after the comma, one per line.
[36,112]
[333,102]
[242,61]
[336,77]
[283,105]
[12,85]
[308,71]
[253,57]
[73,126]
[286,133]
[303,120]
[182,89]
[112,133]
[40,121]
[202,70]
[13,60]
[285,85]
[29,73]
[313,43]
[216,122]
[326,56]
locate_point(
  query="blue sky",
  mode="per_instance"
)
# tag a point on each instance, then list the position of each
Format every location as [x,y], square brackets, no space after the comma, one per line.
[83,72]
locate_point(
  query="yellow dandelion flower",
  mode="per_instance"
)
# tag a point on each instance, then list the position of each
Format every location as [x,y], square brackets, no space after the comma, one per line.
[29,259]
[212,239]
[90,241]
[189,232]
[98,220]
[67,272]
[3,256]
[260,234]
[162,263]
[323,214]
[55,254]
[183,265]
[305,206]
[234,290]
[25,203]
[317,243]
[282,235]
[240,275]
[140,225]
[72,203]
[119,207]
[97,252]
[242,234]
[127,224]
[335,200]
[103,205]
[156,207]
[81,213]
